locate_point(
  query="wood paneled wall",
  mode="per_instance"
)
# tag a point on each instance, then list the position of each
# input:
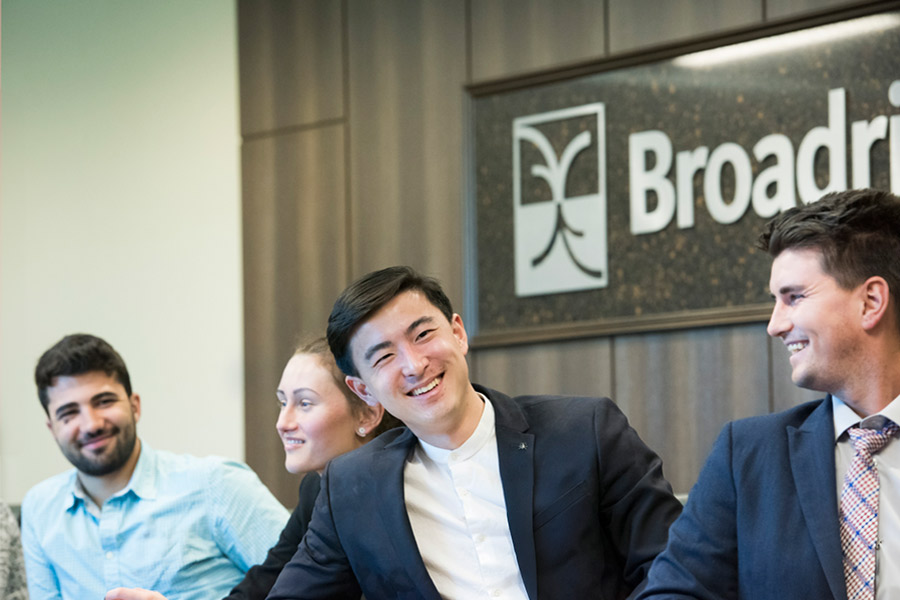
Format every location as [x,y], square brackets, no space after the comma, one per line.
[353,121]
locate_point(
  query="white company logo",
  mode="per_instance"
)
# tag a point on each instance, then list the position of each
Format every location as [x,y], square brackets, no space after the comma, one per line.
[561,244]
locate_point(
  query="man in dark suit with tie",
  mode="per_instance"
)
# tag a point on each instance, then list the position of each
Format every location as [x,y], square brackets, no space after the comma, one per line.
[481,495]
[806,503]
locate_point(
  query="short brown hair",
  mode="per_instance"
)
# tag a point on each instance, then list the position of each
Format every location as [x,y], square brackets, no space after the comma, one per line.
[77,354]
[857,232]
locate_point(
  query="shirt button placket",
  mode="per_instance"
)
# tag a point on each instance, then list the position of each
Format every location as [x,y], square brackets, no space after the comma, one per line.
[110,515]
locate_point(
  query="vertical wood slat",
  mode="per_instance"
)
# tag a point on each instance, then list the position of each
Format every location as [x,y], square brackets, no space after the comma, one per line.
[575,368]
[407,68]
[294,266]
[776,9]
[290,63]
[678,389]
[516,36]
[642,23]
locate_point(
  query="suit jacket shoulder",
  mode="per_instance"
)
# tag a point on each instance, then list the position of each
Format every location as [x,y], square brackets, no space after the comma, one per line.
[775,423]
[587,505]
[598,506]
[768,483]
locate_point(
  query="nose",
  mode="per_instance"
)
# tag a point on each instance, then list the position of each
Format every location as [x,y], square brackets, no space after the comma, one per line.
[779,323]
[91,420]
[287,420]
[414,362]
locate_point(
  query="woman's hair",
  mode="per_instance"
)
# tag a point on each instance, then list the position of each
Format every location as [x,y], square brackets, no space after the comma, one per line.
[319,348]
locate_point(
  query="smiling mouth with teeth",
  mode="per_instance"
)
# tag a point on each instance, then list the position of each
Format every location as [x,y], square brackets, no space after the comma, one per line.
[796,347]
[427,388]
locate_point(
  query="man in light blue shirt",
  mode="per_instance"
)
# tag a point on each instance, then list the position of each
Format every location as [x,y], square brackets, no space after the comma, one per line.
[128,515]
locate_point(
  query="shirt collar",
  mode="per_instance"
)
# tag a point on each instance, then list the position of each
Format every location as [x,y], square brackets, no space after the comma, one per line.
[845,417]
[77,492]
[483,433]
[143,481]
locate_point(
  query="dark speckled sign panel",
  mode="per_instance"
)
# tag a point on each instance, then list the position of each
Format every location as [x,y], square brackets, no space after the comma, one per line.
[631,199]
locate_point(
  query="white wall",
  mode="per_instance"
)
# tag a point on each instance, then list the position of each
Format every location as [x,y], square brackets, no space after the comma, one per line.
[120,215]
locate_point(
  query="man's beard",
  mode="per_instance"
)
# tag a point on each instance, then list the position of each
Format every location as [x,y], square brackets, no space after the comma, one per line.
[104,464]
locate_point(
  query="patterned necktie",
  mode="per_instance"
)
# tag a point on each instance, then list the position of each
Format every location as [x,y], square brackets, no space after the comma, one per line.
[859,511]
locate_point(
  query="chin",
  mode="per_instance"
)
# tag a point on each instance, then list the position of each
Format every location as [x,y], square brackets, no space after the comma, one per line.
[805,381]
[800,383]
[293,468]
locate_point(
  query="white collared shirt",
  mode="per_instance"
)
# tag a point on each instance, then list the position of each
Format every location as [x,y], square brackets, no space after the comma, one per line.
[887,460]
[455,503]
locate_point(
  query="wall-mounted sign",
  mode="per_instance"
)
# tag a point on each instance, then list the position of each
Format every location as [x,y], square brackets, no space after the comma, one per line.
[560,240]
[630,198]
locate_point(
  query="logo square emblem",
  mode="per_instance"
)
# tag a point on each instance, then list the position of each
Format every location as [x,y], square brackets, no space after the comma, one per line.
[559,199]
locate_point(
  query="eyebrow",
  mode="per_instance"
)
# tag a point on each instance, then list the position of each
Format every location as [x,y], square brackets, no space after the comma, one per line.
[382,345]
[69,405]
[415,324]
[787,289]
[64,408]
[373,349]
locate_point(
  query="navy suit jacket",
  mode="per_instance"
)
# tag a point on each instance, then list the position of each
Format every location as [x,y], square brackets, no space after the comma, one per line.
[587,506]
[762,521]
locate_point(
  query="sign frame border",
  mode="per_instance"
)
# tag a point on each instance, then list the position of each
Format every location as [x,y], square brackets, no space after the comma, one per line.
[690,319]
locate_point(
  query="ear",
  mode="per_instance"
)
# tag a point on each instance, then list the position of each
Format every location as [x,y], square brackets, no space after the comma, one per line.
[358,387]
[876,297]
[459,332]
[135,401]
[371,417]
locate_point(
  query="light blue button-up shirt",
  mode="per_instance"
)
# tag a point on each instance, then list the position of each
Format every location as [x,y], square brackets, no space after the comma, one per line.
[184,526]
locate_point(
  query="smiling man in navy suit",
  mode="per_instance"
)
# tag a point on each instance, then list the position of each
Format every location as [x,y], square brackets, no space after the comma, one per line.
[777,508]
[481,495]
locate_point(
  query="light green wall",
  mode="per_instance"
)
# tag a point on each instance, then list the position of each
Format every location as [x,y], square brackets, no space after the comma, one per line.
[120,215]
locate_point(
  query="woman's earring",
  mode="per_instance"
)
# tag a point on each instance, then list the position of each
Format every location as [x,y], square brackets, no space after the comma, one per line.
[361,431]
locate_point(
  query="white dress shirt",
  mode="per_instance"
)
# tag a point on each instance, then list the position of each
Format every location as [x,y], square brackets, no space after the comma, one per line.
[455,503]
[887,461]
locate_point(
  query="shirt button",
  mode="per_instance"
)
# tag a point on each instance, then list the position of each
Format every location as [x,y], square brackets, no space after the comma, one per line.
[479,538]
[109,555]
[495,593]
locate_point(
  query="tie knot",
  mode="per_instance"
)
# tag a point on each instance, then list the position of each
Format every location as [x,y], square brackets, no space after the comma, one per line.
[869,441]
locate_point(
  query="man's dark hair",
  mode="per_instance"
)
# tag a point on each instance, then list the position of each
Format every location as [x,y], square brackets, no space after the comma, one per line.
[857,232]
[367,295]
[77,354]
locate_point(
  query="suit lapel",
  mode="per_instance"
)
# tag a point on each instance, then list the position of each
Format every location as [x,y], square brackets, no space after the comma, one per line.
[812,464]
[515,449]
[387,470]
